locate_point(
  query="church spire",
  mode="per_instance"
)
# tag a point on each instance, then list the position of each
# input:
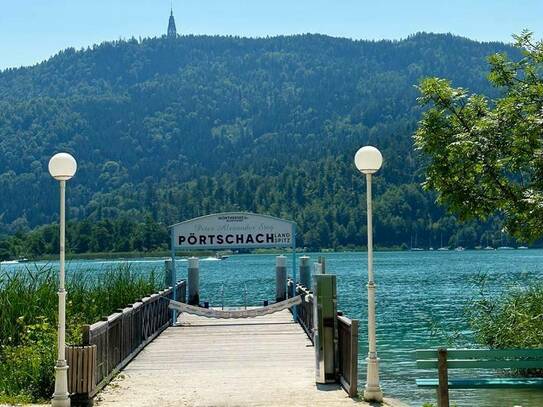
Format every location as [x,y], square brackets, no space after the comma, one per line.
[172,31]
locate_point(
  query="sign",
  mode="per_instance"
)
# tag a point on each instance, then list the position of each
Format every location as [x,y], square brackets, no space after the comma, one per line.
[233,230]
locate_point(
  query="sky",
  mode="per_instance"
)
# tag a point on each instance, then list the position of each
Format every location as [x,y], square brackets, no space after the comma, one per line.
[33,30]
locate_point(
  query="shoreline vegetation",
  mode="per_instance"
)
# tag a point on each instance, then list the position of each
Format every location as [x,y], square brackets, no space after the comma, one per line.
[211,253]
[28,321]
[152,240]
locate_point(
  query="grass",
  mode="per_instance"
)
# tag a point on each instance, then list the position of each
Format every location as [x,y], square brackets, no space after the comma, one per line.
[514,320]
[28,321]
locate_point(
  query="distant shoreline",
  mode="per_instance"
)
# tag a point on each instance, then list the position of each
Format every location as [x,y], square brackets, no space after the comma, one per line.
[208,253]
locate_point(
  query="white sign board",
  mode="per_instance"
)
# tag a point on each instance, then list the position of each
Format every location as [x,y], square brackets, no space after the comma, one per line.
[233,230]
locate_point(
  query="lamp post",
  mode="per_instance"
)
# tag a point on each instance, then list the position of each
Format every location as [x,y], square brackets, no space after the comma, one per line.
[62,167]
[368,160]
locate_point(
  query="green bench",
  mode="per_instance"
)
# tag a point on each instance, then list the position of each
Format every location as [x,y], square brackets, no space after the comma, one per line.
[444,359]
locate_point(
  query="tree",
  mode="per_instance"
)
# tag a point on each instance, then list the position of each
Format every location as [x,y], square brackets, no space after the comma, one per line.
[486,156]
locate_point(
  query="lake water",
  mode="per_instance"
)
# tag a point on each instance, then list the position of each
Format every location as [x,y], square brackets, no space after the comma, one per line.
[417,293]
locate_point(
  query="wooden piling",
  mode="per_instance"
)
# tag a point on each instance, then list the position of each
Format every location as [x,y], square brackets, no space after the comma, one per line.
[305,272]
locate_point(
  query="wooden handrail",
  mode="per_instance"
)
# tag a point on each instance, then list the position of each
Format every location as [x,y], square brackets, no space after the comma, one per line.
[118,338]
[348,354]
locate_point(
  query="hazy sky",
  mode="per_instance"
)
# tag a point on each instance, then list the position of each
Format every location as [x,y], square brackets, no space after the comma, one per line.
[33,30]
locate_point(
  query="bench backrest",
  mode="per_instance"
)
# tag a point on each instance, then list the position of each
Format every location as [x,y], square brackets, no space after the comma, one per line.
[482,358]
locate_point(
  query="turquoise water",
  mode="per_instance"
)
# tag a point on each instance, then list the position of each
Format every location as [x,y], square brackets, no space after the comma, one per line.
[417,293]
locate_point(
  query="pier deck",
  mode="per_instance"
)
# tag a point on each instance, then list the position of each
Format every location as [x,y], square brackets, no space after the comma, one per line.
[263,361]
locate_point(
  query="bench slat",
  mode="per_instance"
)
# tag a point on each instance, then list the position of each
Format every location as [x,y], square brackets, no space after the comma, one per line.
[483,364]
[488,354]
[494,383]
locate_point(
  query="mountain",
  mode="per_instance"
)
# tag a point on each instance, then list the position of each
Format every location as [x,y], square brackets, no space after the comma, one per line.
[167,129]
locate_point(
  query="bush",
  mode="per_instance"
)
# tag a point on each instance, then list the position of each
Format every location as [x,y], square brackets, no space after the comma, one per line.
[27,369]
[511,320]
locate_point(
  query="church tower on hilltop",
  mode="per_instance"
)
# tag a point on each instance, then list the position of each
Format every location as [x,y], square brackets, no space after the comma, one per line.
[172,31]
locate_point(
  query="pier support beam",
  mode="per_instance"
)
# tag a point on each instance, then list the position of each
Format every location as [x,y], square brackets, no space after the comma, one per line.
[194,281]
[305,272]
[280,278]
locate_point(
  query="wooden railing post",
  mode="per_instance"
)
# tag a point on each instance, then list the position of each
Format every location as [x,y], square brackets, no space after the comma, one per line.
[354,359]
[85,333]
[443,388]
[106,347]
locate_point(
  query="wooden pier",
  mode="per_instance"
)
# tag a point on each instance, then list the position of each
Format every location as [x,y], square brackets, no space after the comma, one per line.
[142,355]
[263,361]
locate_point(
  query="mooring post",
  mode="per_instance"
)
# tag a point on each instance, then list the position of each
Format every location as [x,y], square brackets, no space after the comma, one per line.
[318,269]
[305,272]
[194,281]
[280,278]
[168,273]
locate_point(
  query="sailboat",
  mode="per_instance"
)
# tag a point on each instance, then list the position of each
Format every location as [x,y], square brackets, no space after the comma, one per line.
[502,247]
[415,249]
[488,247]
[441,247]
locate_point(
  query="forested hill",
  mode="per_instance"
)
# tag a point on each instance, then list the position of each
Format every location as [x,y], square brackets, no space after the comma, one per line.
[166,130]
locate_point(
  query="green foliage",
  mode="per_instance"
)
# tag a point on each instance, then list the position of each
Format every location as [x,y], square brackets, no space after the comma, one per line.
[28,321]
[26,369]
[485,155]
[169,130]
[512,320]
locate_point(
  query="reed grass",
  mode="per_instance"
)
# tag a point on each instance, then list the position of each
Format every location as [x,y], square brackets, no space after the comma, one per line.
[28,320]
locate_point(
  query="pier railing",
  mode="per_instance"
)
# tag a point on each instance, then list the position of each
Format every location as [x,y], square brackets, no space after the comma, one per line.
[348,353]
[109,344]
[347,333]
[305,309]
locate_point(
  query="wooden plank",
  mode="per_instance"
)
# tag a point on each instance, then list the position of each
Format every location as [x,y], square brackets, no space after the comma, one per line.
[249,362]
[494,383]
[482,364]
[482,354]
[443,379]
[70,370]
[98,327]
[344,320]
[79,364]
[353,388]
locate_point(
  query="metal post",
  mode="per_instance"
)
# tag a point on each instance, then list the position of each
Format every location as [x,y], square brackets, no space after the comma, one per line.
[222,296]
[173,276]
[295,308]
[372,391]
[61,397]
[245,294]
[168,273]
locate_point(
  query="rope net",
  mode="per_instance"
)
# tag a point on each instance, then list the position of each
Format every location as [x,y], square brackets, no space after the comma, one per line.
[230,314]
